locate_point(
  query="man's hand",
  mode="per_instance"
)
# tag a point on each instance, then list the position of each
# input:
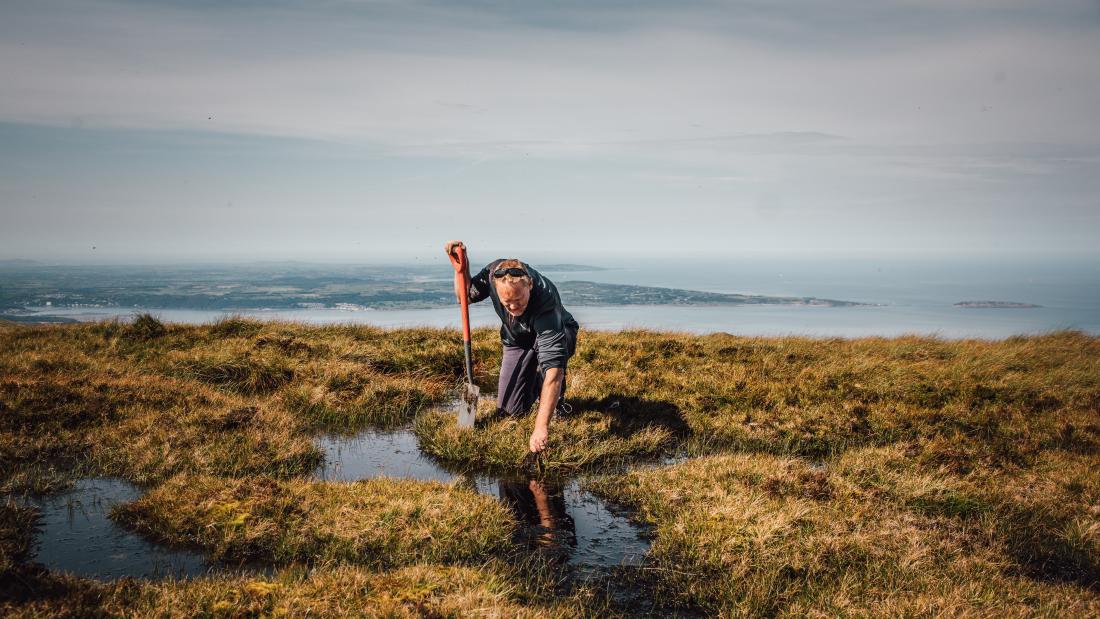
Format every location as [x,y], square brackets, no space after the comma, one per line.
[538,439]
[449,246]
[548,399]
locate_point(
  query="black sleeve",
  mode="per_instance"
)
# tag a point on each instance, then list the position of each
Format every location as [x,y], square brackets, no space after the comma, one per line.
[479,285]
[553,344]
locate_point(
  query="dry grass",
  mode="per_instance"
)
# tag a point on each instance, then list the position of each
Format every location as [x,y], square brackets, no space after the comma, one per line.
[378,522]
[762,535]
[146,401]
[903,476]
[583,441]
[343,591]
[16,533]
[1045,517]
[815,397]
[417,591]
[113,422]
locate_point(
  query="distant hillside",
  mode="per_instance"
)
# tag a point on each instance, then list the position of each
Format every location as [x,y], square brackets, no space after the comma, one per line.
[596,293]
[266,286]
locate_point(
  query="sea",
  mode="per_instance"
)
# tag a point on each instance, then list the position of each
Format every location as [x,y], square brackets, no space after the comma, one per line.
[899,295]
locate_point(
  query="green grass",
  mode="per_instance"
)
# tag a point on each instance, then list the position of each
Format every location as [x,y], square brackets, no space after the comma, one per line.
[378,522]
[876,476]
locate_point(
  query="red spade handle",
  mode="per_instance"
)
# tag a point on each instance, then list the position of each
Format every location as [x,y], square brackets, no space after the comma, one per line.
[462,278]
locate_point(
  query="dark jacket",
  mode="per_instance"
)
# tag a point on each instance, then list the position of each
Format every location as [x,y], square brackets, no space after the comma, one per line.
[543,324]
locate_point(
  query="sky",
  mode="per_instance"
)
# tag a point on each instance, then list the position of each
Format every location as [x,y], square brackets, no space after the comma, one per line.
[173,130]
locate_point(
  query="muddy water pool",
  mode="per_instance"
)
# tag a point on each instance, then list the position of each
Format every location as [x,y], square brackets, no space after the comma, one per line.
[561,518]
[76,535]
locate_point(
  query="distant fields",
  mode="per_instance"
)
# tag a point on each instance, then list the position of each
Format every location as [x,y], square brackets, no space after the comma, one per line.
[283,286]
[778,476]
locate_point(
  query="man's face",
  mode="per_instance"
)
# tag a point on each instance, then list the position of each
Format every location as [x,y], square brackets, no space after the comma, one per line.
[514,297]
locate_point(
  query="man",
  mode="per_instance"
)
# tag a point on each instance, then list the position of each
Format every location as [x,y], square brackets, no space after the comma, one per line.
[537,335]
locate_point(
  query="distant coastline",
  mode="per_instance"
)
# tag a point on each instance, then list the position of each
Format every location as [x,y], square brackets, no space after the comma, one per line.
[756,298]
[577,292]
[294,287]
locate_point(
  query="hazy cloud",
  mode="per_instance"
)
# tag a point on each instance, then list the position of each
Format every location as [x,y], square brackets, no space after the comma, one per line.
[895,117]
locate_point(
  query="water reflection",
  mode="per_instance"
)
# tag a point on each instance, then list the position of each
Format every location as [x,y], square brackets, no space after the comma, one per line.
[540,508]
[571,523]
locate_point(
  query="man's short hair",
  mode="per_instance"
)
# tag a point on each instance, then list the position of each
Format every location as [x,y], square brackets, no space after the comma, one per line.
[512,280]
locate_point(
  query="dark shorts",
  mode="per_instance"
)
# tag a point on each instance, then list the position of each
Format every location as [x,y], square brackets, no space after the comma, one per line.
[520,379]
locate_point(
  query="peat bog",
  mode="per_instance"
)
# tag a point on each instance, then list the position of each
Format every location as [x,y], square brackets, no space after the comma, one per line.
[773,476]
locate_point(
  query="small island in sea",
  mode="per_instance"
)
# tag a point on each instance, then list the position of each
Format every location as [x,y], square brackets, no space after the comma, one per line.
[996,304]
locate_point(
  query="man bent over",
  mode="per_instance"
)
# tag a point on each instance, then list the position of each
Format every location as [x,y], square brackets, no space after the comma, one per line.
[537,334]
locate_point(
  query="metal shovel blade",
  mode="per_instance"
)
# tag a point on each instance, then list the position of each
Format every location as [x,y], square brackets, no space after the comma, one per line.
[467,409]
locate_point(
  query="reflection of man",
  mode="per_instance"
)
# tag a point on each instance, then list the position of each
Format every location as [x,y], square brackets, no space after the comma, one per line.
[537,334]
[541,511]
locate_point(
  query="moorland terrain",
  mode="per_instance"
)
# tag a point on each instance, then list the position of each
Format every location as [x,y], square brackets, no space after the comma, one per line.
[777,476]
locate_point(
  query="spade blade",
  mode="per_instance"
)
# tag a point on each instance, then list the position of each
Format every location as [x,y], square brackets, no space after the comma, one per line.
[467,409]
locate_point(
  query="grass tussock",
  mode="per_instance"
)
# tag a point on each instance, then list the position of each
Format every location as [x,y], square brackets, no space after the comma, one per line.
[247,371]
[145,327]
[761,535]
[235,326]
[378,522]
[345,397]
[582,441]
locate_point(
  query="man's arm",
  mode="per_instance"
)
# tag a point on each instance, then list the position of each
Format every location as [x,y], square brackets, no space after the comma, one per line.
[551,389]
[553,354]
[479,284]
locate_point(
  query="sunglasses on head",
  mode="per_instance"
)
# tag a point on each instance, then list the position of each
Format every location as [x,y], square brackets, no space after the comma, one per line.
[513,271]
